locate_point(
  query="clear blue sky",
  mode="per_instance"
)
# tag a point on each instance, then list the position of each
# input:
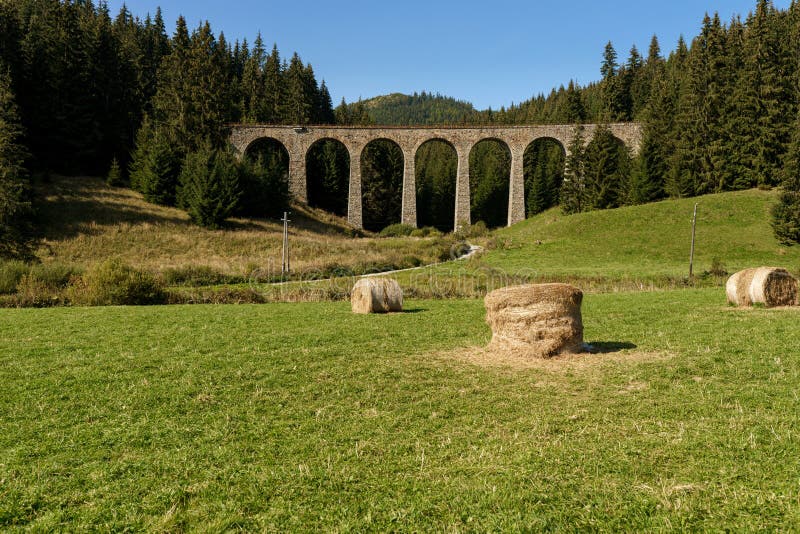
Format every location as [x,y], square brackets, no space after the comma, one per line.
[490,53]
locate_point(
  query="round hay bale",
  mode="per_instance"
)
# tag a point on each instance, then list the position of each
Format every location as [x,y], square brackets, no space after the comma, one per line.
[537,320]
[738,287]
[770,286]
[376,295]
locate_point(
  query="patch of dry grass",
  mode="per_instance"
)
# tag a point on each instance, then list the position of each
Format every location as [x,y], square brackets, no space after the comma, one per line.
[83,221]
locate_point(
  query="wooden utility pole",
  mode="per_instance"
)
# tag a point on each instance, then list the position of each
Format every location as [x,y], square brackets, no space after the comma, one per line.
[285,254]
[691,254]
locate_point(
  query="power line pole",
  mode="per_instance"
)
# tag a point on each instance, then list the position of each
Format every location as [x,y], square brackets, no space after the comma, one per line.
[691,254]
[285,253]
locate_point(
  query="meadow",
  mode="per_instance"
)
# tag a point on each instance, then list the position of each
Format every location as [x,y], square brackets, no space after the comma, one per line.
[266,417]
[302,416]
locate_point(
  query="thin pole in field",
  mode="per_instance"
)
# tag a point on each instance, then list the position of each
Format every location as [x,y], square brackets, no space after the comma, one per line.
[285,252]
[691,254]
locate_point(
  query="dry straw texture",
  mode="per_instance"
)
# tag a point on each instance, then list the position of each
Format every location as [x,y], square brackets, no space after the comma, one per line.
[536,321]
[770,286]
[376,295]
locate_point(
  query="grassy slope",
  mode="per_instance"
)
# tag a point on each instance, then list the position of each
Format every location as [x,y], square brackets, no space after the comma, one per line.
[265,417]
[653,239]
[83,221]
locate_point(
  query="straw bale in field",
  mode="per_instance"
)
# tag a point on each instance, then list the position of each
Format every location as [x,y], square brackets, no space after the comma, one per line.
[770,286]
[376,295]
[536,321]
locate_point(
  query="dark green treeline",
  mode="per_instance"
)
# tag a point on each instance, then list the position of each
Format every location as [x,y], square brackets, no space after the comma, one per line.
[86,88]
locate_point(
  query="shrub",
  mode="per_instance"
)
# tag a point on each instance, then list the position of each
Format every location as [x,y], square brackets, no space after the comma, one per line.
[52,275]
[196,276]
[479,229]
[427,231]
[397,230]
[33,292]
[114,283]
[717,268]
[57,275]
[11,272]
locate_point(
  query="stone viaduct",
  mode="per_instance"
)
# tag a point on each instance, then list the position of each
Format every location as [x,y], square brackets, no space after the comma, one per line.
[297,140]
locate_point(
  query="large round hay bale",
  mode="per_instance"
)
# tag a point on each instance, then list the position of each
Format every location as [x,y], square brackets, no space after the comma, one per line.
[770,286]
[376,295]
[536,321]
[738,287]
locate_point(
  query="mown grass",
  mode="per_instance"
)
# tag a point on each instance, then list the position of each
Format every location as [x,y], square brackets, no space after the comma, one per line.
[272,418]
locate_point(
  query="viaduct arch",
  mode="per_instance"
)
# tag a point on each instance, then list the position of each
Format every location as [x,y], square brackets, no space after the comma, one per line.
[298,139]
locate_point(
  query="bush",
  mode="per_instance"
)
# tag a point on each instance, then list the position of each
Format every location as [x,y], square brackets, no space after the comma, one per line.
[56,275]
[11,272]
[33,292]
[52,275]
[114,283]
[197,275]
[717,268]
[427,231]
[479,229]
[397,230]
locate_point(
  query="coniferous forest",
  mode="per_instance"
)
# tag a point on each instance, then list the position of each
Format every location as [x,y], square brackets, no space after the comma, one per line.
[85,91]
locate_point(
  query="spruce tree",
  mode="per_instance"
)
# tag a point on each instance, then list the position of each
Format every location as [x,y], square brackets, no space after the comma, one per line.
[14,205]
[264,187]
[786,212]
[605,171]
[253,87]
[274,88]
[572,197]
[209,186]
[114,176]
[298,106]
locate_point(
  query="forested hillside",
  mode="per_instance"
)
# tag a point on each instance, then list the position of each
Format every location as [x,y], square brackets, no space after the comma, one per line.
[85,91]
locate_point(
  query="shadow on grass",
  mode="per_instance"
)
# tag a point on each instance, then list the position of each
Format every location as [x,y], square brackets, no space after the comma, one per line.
[415,310]
[609,347]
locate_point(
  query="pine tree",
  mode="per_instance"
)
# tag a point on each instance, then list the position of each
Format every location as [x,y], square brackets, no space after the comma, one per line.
[737,170]
[299,93]
[328,178]
[573,191]
[14,205]
[786,212]
[209,186]
[253,86]
[155,166]
[114,176]
[274,90]
[605,171]
[264,186]
[575,111]
[324,109]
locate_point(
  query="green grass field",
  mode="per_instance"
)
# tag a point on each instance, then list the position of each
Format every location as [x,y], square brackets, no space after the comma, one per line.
[649,240]
[305,417]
